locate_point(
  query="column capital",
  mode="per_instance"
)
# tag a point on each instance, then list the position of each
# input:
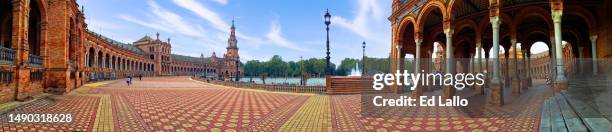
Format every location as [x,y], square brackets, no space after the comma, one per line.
[448,32]
[593,38]
[418,41]
[495,22]
[556,15]
[418,35]
[513,41]
[478,44]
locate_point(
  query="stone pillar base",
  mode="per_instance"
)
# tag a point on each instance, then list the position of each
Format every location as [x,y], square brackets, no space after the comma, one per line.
[417,92]
[496,97]
[516,86]
[23,84]
[449,92]
[57,81]
[529,81]
[428,88]
[560,86]
[525,84]
[396,89]
[479,90]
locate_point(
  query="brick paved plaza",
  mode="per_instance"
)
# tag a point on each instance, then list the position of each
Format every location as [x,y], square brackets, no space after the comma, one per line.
[181,104]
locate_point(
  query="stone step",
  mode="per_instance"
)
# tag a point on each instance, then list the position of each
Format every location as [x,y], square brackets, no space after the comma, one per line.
[557,121]
[572,121]
[591,117]
[545,120]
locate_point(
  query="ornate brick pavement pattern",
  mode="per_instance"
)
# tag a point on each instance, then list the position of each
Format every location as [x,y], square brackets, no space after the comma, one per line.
[315,115]
[274,120]
[208,108]
[104,115]
[82,108]
[182,105]
[125,117]
[343,118]
[522,115]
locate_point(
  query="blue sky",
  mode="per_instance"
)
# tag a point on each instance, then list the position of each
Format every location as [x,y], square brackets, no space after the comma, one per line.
[290,28]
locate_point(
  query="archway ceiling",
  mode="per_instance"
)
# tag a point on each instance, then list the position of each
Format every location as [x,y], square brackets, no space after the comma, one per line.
[434,18]
[468,7]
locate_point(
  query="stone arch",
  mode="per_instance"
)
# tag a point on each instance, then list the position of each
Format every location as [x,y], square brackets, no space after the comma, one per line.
[404,23]
[463,26]
[99,59]
[107,61]
[572,39]
[425,11]
[534,31]
[534,11]
[36,18]
[91,57]
[585,14]
[114,62]
[466,23]
[72,39]
[123,63]
[6,24]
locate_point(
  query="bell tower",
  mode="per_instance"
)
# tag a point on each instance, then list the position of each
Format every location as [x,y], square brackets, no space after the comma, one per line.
[232,44]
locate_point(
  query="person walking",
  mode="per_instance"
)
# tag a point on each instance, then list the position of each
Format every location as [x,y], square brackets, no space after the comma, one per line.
[129,80]
[140,77]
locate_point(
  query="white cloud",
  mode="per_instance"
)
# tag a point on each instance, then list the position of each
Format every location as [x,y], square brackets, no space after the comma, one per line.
[222,2]
[369,21]
[214,18]
[275,36]
[203,12]
[167,21]
[143,23]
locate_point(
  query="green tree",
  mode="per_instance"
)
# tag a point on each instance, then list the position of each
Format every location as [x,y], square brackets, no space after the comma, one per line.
[276,67]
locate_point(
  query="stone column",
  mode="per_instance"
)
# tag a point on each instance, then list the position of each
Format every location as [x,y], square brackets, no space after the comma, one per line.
[496,97]
[417,67]
[580,61]
[430,67]
[20,45]
[395,87]
[553,65]
[479,90]
[515,78]
[560,80]
[472,63]
[449,91]
[594,53]
[529,76]
[525,69]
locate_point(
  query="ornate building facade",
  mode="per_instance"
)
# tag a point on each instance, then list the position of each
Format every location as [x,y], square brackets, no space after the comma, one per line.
[465,27]
[46,47]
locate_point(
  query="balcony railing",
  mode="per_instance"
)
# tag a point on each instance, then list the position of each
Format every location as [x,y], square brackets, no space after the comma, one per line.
[7,56]
[35,60]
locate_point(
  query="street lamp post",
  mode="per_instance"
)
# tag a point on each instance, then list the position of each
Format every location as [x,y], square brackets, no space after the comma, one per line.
[327,22]
[363,60]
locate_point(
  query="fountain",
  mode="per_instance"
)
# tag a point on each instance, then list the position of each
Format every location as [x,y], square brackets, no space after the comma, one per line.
[355,71]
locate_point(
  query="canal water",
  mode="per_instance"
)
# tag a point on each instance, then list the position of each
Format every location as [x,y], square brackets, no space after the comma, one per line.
[296,81]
